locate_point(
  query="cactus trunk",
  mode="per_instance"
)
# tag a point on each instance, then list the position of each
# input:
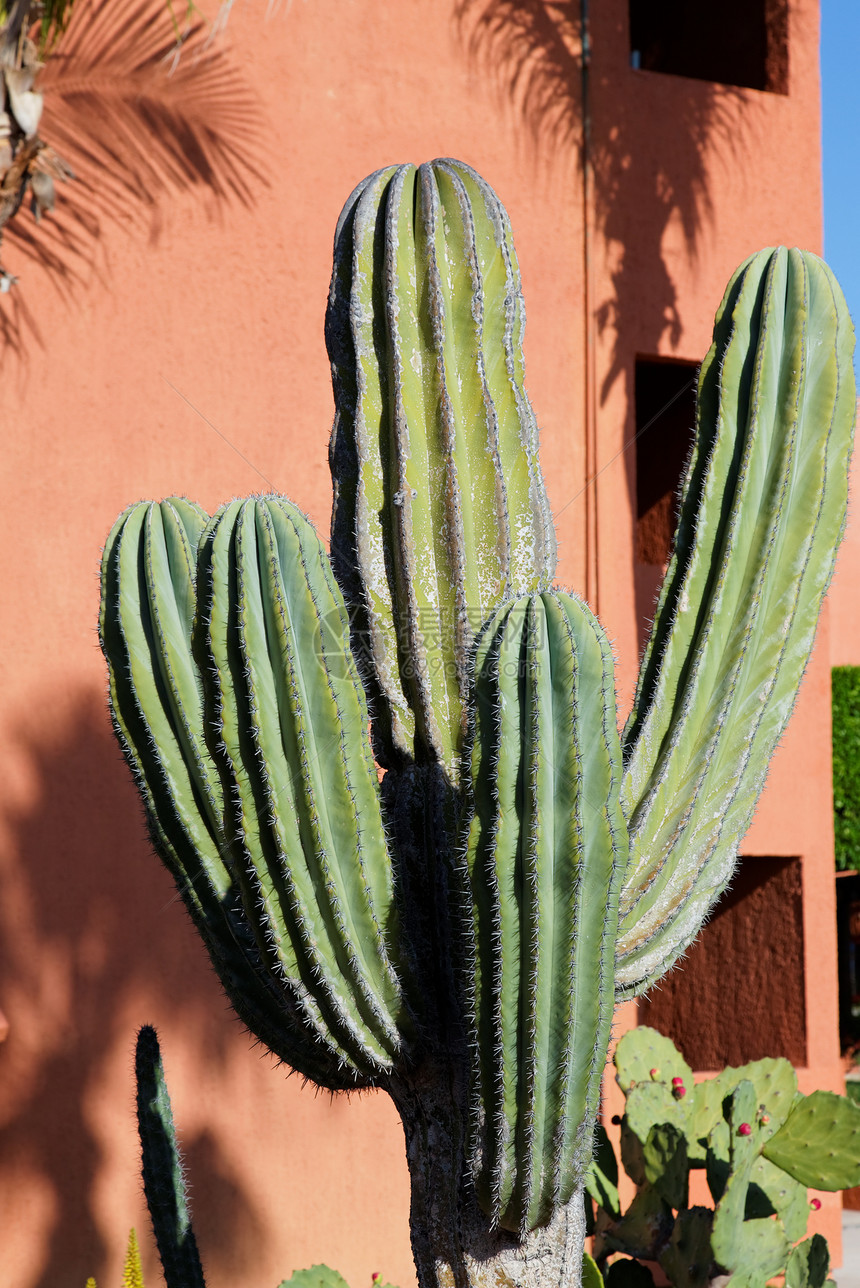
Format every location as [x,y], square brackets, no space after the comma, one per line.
[453,1243]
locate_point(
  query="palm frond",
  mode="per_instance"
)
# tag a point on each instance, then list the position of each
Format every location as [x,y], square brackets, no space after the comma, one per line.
[140,116]
[139,113]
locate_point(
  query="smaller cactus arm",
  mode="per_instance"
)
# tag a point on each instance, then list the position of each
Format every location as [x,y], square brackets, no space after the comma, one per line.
[544,857]
[314,868]
[163,1171]
[762,513]
[440,510]
[147,623]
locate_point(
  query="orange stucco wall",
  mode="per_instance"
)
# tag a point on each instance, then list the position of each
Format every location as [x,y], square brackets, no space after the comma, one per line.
[189,359]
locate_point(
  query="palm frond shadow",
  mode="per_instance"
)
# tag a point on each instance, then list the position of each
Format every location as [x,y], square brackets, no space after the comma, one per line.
[532,50]
[141,116]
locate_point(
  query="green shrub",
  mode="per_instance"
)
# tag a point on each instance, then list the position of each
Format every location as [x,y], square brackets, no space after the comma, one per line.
[846,765]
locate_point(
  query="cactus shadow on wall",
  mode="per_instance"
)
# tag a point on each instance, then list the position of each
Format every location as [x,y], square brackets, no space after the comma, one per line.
[642,183]
[144,112]
[92,943]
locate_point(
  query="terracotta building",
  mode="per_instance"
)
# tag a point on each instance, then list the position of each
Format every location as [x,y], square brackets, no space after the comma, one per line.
[169,340]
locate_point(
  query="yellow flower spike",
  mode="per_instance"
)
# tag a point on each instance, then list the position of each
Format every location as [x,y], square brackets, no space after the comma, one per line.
[132,1271]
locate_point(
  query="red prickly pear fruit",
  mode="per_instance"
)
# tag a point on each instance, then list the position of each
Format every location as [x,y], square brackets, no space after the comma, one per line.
[745,1130]
[679,1092]
[815,1204]
[655,1073]
[677,1082]
[765,1118]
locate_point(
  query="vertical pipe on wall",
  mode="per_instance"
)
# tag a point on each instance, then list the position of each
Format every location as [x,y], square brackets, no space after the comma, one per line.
[590,390]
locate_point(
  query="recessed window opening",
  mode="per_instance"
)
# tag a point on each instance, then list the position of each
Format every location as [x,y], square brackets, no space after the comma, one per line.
[735,42]
[665,396]
[738,995]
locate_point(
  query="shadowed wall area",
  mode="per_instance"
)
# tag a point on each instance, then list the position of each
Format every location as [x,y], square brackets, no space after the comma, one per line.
[532,50]
[92,942]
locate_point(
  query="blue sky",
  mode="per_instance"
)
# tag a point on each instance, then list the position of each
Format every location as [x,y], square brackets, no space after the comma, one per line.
[840,94]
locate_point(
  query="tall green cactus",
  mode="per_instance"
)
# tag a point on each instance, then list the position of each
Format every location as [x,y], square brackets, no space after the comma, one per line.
[457,933]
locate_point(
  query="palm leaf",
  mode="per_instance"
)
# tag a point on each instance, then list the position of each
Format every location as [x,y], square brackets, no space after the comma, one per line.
[141,116]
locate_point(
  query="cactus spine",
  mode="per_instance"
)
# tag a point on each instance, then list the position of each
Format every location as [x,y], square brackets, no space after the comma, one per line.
[458,936]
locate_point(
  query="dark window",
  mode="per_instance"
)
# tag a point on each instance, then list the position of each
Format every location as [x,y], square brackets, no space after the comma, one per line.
[665,418]
[848,940]
[735,42]
[738,995]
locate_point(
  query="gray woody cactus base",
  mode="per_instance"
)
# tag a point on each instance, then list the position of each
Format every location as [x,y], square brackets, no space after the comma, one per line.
[458,932]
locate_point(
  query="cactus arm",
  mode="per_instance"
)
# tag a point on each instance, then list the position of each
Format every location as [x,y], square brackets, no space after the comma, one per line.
[188,836]
[161,716]
[163,1172]
[293,720]
[761,518]
[543,857]
[187,831]
[440,510]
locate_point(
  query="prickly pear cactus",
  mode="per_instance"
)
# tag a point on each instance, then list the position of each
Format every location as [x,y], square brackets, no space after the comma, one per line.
[761,1144]
[457,933]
